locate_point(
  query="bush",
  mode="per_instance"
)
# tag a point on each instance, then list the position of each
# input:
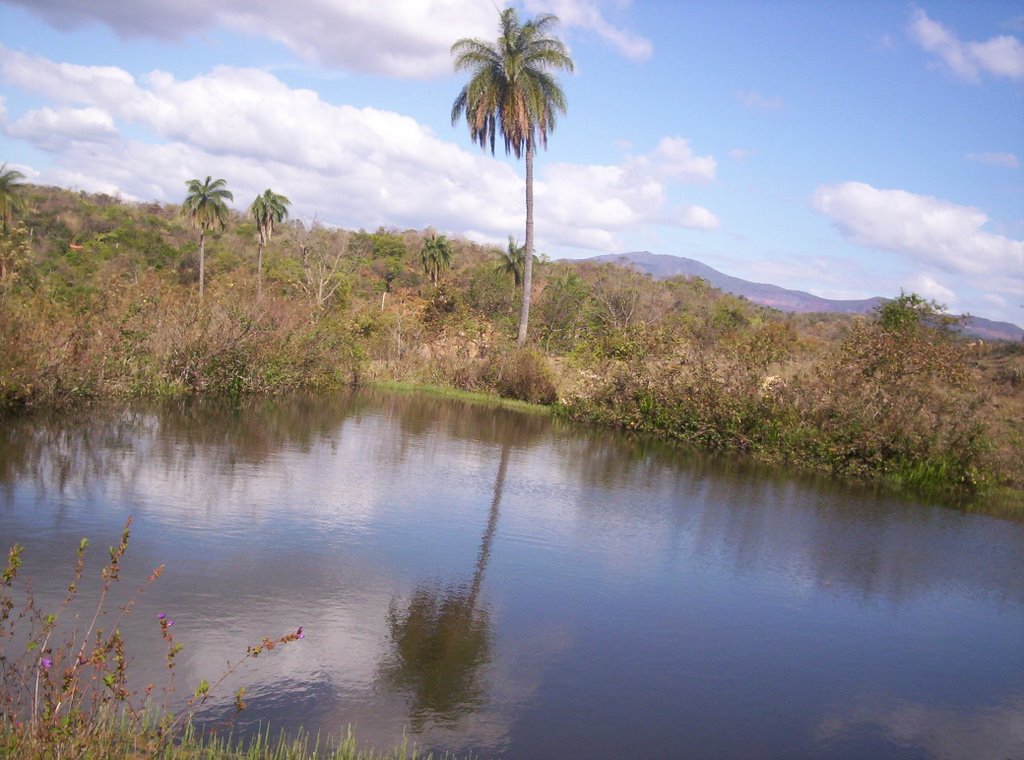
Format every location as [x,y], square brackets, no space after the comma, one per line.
[521,374]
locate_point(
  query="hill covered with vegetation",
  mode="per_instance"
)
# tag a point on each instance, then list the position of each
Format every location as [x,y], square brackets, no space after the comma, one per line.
[100,300]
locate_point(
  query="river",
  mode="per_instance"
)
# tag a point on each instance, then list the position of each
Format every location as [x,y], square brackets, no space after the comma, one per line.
[505,584]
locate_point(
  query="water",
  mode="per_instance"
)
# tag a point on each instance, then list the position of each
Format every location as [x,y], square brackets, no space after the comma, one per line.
[504,584]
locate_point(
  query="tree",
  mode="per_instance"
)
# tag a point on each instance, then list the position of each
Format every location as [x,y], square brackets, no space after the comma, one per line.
[322,263]
[205,207]
[442,637]
[436,256]
[511,260]
[10,196]
[511,90]
[267,210]
[909,312]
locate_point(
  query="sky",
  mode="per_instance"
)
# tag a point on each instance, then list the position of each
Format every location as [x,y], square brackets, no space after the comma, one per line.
[849,149]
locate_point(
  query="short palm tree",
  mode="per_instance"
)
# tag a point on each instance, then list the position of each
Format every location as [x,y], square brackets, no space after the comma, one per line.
[267,210]
[205,207]
[10,196]
[436,256]
[511,260]
[511,90]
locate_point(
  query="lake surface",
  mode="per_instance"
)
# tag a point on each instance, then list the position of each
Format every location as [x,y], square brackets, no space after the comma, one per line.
[513,586]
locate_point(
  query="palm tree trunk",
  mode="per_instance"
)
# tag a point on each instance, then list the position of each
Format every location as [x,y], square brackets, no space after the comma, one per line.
[492,525]
[202,261]
[524,313]
[259,267]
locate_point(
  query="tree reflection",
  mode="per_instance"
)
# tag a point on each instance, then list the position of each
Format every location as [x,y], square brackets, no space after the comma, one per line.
[442,637]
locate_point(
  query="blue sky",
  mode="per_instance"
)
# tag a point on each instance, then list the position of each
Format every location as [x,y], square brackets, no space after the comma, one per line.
[850,148]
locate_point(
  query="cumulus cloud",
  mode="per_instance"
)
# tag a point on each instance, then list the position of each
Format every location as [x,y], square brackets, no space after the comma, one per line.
[355,167]
[1009,160]
[930,287]
[634,192]
[674,159]
[587,15]
[54,129]
[402,38]
[758,101]
[590,203]
[927,229]
[1001,56]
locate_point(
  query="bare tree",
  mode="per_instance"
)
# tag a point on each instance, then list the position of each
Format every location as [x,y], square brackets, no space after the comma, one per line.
[322,262]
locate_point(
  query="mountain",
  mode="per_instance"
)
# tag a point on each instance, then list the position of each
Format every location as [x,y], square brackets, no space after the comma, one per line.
[662,267]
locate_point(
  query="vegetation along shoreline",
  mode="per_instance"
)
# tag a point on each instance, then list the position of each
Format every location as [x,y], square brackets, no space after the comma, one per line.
[99,301]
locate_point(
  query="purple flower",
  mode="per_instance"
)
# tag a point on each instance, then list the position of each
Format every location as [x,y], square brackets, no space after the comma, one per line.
[161,616]
[46,663]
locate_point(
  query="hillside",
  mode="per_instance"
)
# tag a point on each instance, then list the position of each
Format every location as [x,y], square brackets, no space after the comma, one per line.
[663,267]
[100,301]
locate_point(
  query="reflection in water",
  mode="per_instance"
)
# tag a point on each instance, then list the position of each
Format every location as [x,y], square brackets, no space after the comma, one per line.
[627,598]
[442,638]
[995,731]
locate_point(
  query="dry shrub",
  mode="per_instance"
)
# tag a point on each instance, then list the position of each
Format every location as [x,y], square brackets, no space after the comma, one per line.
[521,374]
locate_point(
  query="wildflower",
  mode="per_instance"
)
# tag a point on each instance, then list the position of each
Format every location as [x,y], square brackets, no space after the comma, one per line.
[299,633]
[161,616]
[46,663]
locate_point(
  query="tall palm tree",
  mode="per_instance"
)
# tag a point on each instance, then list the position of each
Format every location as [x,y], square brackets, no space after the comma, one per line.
[267,210]
[436,256]
[511,90]
[511,260]
[443,636]
[205,207]
[10,197]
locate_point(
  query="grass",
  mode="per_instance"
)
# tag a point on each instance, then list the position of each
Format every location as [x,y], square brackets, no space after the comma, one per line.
[119,739]
[474,397]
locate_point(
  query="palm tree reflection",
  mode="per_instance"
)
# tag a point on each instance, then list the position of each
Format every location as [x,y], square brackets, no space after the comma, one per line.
[442,637]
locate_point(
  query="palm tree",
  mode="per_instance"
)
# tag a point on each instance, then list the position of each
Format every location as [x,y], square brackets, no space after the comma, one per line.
[204,206]
[511,260]
[267,210]
[436,256]
[443,636]
[512,91]
[10,197]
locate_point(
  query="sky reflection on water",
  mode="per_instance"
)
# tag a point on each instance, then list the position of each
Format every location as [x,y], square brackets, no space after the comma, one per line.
[519,587]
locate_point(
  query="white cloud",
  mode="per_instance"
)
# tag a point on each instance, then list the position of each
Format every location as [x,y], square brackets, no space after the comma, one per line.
[928,230]
[54,129]
[1009,160]
[998,56]
[740,154]
[591,202]
[402,38]
[673,159]
[751,99]
[587,15]
[695,217]
[927,286]
[354,167]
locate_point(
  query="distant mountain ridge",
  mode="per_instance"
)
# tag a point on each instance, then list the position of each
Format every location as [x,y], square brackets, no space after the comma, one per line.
[663,266]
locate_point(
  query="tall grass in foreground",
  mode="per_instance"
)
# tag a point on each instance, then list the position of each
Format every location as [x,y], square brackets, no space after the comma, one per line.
[64,690]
